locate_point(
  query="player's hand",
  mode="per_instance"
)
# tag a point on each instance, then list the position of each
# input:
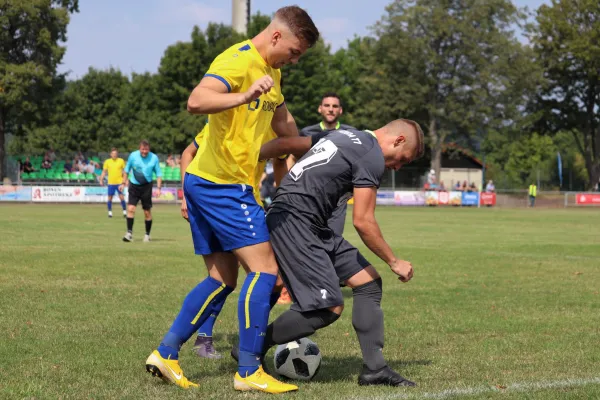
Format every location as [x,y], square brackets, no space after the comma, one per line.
[259,87]
[403,269]
[101,182]
[158,192]
[121,187]
[184,211]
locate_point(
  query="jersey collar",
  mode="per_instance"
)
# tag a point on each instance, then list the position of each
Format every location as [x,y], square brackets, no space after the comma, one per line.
[371,132]
[323,128]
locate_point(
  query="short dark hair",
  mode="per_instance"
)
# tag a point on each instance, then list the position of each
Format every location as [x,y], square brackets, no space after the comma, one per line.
[144,143]
[420,147]
[300,23]
[113,149]
[331,94]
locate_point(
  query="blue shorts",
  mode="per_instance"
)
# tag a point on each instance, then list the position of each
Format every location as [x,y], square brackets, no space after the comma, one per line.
[223,217]
[112,189]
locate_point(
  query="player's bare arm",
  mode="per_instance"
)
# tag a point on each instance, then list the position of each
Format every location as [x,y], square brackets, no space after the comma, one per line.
[363,217]
[186,158]
[297,145]
[283,122]
[104,172]
[211,96]
[125,180]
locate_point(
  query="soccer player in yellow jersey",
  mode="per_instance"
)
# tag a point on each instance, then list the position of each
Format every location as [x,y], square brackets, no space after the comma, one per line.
[204,346]
[114,168]
[241,93]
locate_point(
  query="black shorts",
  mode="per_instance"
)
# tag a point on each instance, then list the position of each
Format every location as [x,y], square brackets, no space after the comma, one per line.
[141,193]
[312,264]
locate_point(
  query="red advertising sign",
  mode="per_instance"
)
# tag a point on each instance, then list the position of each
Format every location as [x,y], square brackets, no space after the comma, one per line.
[487,199]
[588,198]
[443,198]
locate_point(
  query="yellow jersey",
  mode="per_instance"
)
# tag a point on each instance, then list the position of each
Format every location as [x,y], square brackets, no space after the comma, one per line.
[115,170]
[260,167]
[231,144]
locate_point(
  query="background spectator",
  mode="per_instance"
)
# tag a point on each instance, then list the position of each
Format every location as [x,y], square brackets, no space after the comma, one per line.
[170,161]
[472,187]
[68,166]
[442,187]
[47,164]
[490,186]
[457,187]
[26,166]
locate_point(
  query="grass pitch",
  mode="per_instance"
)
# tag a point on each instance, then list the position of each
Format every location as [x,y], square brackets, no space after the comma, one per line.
[504,304]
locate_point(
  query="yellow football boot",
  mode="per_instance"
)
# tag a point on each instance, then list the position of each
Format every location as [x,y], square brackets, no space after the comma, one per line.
[261,381]
[168,370]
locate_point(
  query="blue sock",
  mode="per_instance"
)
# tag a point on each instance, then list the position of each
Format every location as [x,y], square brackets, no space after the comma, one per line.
[109,204]
[253,316]
[206,329]
[273,299]
[196,308]
[123,205]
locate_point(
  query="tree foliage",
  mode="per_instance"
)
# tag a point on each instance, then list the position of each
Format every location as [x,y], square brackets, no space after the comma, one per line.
[454,66]
[29,54]
[566,40]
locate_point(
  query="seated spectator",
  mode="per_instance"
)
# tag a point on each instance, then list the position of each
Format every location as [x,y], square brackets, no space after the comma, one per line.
[465,186]
[442,187]
[490,186]
[472,187]
[426,186]
[432,183]
[26,166]
[47,164]
[170,161]
[457,187]
[90,167]
[68,167]
[177,160]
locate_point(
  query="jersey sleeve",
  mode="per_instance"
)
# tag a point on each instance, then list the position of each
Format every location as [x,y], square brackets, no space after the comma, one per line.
[368,170]
[157,168]
[105,165]
[229,68]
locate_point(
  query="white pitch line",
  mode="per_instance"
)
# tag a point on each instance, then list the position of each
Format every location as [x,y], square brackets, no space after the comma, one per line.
[474,391]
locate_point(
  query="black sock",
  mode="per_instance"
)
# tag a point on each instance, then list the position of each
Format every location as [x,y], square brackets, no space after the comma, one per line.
[294,325]
[367,319]
[148,226]
[129,224]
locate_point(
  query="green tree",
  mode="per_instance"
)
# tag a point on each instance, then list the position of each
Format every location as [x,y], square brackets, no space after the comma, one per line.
[567,44]
[451,65]
[29,54]
[87,115]
[305,82]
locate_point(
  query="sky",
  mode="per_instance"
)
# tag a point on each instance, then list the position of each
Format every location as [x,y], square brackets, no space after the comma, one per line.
[131,35]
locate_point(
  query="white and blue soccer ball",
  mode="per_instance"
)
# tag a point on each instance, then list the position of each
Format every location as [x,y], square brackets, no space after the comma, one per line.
[299,359]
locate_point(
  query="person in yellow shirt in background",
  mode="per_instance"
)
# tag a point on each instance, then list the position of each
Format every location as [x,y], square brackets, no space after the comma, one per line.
[241,94]
[114,168]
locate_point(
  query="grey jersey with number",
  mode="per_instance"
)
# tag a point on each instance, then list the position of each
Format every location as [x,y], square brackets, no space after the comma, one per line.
[324,178]
[338,216]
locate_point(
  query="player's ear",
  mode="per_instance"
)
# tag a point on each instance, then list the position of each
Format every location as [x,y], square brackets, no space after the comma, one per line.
[276,37]
[400,139]
[341,110]
[319,109]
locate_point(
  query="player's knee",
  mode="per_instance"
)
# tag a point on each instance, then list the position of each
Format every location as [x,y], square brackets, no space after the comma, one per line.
[337,309]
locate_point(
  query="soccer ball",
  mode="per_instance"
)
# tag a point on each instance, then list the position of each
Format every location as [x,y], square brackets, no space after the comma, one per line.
[299,359]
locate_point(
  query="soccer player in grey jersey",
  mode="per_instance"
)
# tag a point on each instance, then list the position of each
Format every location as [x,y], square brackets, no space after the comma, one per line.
[331,110]
[313,259]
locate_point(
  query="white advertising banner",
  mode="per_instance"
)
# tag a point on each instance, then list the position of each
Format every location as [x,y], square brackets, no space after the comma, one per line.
[55,194]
